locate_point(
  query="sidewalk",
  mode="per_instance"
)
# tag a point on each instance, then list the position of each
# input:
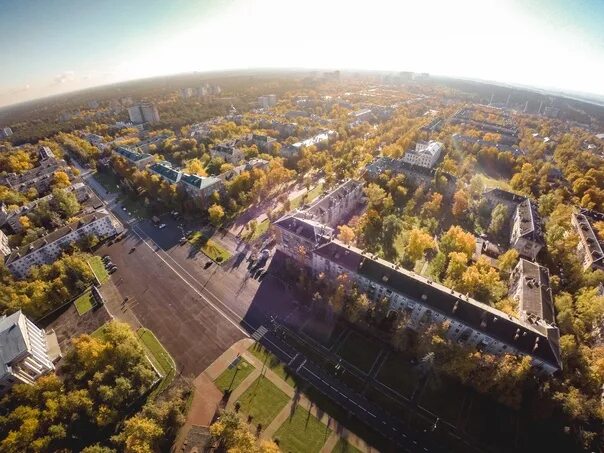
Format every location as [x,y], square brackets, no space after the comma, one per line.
[296,398]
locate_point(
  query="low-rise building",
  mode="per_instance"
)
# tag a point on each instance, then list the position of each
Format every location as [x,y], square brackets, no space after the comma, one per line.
[139,160]
[201,187]
[48,248]
[166,172]
[424,154]
[24,355]
[319,140]
[39,178]
[267,101]
[527,231]
[6,132]
[263,142]
[362,115]
[143,113]
[4,247]
[227,151]
[420,301]
[332,208]
[530,287]
[590,248]
[12,218]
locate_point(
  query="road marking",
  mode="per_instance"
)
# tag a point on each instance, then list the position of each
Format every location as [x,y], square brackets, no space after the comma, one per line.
[259,333]
[191,286]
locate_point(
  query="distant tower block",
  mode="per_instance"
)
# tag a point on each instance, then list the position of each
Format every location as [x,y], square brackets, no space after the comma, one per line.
[491,101]
[526,107]
[507,103]
[540,106]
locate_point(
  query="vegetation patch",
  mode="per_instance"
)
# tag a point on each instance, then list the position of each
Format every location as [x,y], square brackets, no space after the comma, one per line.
[96,263]
[84,303]
[210,248]
[263,401]
[397,373]
[230,378]
[108,180]
[302,433]
[158,355]
[271,361]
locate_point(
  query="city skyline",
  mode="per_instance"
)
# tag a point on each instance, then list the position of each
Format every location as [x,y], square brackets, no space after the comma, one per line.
[70,46]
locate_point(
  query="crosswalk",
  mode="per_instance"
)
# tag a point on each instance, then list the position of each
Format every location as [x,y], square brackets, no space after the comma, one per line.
[259,333]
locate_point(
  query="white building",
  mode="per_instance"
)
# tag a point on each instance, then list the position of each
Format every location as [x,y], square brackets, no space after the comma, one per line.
[6,132]
[424,154]
[589,248]
[228,152]
[24,355]
[4,247]
[527,233]
[48,248]
[143,113]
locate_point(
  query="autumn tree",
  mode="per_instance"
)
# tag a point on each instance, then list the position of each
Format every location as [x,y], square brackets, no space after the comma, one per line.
[460,203]
[498,218]
[216,214]
[346,234]
[60,180]
[418,242]
[456,239]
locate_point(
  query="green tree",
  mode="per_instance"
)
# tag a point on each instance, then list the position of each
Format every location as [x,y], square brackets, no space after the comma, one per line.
[216,213]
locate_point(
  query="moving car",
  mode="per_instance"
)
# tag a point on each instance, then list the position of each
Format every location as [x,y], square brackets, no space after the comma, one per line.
[163,225]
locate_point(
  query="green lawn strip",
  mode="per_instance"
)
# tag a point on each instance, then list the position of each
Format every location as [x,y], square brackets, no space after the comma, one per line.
[272,362]
[344,447]
[263,401]
[443,396]
[160,358]
[490,182]
[306,197]
[359,351]
[398,374]
[215,251]
[302,433]
[99,333]
[84,303]
[234,375]
[96,263]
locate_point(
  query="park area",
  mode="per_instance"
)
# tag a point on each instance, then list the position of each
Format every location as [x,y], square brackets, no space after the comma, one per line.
[210,248]
[99,269]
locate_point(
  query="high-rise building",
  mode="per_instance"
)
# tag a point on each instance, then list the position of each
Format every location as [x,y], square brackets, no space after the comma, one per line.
[6,132]
[143,113]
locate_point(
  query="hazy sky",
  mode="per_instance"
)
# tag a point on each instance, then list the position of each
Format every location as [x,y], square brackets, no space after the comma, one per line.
[54,46]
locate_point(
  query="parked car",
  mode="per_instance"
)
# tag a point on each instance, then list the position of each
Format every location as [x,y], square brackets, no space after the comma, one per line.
[163,225]
[112,270]
[183,240]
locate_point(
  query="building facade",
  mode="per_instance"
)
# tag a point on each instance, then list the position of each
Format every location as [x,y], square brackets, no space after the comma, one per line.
[200,187]
[527,231]
[229,152]
[143,113]
[334,207]
[23,352]
[39,178]
[139,160]
[4,247]
[424,154]
[166,172]
[590,248]
[48,248]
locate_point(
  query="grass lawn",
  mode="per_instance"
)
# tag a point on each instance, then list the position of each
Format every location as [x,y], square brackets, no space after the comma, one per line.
[84,303]
[302,433]
[159,356]
[490,182]
[134,205]
[210,248]
[230,378]
[263,401]
[359,351]
[261,228]
[344,447]
[272,362]
[99,333]
[307,197]
[99,269]
[398,374]
[108,180]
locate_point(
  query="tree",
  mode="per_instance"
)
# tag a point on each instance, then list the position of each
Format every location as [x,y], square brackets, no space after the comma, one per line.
[458,263]
[508,261]
[375,194]
[346,234]
[60,180]
[460,203]
[498,218]
[418,242]
[456,239]
[433,206]
[216,213]
[195,167]
[65,203]
[140,435]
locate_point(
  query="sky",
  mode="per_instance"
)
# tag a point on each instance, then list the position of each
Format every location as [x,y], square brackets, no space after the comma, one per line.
[51,47]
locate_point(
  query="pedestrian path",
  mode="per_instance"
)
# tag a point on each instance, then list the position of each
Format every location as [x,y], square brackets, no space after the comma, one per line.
[240,349]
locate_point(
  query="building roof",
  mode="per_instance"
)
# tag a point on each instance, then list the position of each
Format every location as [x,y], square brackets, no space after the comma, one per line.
[530,221]
[131,155]
[308,229]
[262,138]
[536,293]
[327,201]
[55,235]
[46,153]
[588,236]
[536,339]
[41,171]
[13,341]
[224,148]
[165,170]
[504,195]
[199,182]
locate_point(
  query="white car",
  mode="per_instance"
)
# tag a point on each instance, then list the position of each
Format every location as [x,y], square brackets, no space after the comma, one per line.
[163,225]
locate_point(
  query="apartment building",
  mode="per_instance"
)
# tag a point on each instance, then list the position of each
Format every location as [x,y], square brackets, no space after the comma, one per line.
[166,172]
[143,113]
[48,248]
[422,301]
[24,355]
[137,159]
[4,247]
[11,218]
[39,178]
[319,140]
[333,208]
[6,132]
[227,151]
[424,154]
[590,247]
[200,187]
[527,231]
[530,287]
[297,236]
[264,143]
[267,101]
